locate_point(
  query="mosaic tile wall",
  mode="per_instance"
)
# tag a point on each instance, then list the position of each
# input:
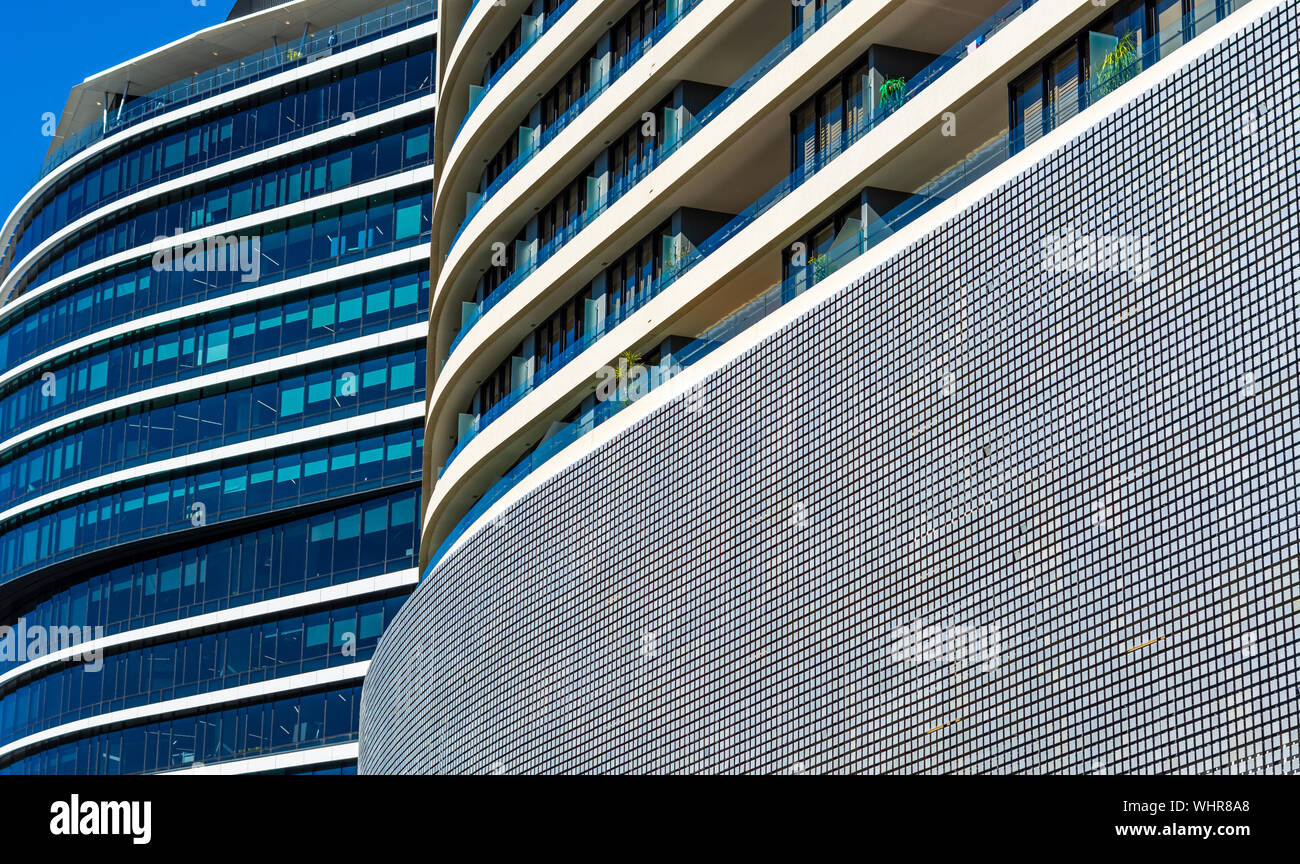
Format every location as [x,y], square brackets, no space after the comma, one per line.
[981,512]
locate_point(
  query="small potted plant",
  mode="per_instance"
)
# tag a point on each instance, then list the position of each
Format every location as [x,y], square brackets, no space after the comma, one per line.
[1119,64]
[630,371]
[892,93]
[628,361]
[821,267]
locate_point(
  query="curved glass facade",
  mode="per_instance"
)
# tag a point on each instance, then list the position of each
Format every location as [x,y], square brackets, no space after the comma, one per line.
[235,129]
[290,550]
[344,309]
[200,664]
[378,153]
[243,411]
[310,720]
[341,544]
[289,247]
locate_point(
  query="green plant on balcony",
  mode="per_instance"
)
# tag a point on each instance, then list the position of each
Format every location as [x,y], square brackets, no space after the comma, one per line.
[628,363]
[1119,64]
[672,260]
[630,373]
[821,267]
[892,93]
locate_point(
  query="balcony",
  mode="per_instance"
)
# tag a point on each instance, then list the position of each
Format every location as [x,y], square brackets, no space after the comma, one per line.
[1122,42]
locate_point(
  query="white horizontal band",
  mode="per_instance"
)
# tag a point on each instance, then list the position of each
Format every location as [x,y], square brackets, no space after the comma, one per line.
[260,690]
[221,619]
[364,423]
[291,760]
[321,354]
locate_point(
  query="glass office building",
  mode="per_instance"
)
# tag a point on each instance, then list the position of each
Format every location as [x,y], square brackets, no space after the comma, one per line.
[212,380]
[872,386]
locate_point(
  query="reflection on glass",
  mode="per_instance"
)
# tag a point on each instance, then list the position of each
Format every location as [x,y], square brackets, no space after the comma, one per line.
[1065,85]
[1027,105]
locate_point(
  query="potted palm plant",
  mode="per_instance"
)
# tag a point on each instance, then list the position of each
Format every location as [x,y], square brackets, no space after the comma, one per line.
[821,266]
[1119,64]
[892,93]
[630,373]
[628,362]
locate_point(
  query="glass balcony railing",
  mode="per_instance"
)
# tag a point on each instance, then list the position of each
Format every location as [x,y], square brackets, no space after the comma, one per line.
[312,46]
[558,242]
[852,134]
[556,363]
[477,92]
[974,166]
[655,156]
[627,61]
[1078,95]
[979,163]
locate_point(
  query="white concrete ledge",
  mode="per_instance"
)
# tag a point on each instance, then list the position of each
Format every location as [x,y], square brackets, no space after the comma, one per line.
[222,619]
[411,34]
[262,690]
[291,760]
[312,356]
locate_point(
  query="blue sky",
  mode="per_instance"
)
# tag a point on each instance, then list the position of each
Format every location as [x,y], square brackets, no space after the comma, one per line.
[47,47]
